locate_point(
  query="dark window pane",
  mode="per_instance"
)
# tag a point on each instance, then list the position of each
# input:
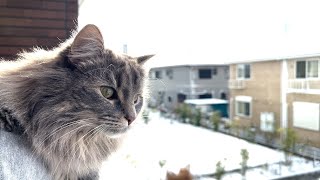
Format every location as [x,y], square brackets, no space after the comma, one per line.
[301,69]
[223,95]
[158,75]
[247,109]
[247,71]
[181,97]
[205,96]
[169,73]
[205,73]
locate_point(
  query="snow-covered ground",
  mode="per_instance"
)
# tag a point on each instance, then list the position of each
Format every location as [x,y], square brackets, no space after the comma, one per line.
[181,144]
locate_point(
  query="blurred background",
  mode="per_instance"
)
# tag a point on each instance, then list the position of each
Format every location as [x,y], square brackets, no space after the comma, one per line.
[234,88]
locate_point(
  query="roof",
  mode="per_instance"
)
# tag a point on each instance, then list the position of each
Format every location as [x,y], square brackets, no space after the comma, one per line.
[190,65]
[202,63]
[205,101]
[276,58]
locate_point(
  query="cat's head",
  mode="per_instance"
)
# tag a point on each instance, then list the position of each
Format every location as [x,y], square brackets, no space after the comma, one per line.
[97,89]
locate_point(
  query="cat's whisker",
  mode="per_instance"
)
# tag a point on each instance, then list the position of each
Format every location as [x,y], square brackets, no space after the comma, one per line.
[62,159]
[79,146]
[55,141]
[56,97]
[57,130]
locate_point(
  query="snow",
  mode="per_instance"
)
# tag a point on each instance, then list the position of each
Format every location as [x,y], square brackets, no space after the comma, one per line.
[180,144]
[205,101]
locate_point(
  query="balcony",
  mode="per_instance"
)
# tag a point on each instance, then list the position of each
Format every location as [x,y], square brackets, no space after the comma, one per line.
[237,84]
[307,86]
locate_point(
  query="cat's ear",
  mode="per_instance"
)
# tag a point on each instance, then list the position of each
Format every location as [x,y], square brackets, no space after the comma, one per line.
[142,59]
[87,43]
[90,35]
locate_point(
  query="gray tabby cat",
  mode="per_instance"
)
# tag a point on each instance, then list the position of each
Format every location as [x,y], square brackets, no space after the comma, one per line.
[72,104]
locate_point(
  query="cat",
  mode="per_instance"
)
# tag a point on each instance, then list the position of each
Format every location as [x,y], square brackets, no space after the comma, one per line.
[184,174]
[72,104]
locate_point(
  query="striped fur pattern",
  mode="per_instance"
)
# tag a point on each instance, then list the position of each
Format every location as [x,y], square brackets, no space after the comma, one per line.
[55,96]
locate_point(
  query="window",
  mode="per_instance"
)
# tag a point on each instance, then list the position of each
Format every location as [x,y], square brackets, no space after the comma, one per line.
[243,106]
[267,121]
[306,115]
[158,74]
[169,73]
[205,73]
[243,71]
[301,69]
[169,99]
[307,69]
[205,96]
[223,95]
[181,98]
[312,70]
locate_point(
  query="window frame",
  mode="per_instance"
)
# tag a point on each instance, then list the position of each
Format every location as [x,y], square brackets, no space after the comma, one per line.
[243,76]
[160,74]
[204,69]
[243,99]
[169,73]
[306,61]
[303,124]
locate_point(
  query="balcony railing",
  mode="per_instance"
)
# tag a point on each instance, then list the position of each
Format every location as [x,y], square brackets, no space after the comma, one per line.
[304,85]
[237,84]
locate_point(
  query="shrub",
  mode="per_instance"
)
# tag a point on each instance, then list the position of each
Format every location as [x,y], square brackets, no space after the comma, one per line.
[244,161]
[235,127]
[288,143]
[185,112]
[220,171]
[215,119]
[145,116]
[197,117]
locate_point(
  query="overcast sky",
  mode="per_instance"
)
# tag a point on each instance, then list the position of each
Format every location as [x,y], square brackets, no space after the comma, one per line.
[206,31]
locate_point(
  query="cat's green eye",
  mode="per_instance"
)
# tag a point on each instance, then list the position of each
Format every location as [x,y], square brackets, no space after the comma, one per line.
[137,99]
[107,92]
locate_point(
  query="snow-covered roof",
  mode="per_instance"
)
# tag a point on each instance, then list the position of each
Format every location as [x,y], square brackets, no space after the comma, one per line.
[189,65]
[276,58]
[205,101]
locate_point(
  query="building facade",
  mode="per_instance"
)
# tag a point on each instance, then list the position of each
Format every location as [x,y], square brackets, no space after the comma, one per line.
[279,93]
[172,85]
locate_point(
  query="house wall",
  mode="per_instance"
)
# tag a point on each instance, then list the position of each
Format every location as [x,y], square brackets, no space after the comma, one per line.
[216,85]
[186,81]
[180,83]
[264,88]
[28,23]
[306,136]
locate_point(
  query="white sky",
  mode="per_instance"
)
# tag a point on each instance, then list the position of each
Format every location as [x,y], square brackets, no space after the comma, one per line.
[206,31]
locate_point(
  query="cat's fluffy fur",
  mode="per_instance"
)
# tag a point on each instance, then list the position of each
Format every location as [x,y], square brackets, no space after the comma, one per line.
[55,97]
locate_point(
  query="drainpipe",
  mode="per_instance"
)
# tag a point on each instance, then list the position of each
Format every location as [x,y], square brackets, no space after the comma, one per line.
[284,88]
[192,84]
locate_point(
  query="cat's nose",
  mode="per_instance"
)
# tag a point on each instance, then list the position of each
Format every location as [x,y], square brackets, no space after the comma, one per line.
[130,118]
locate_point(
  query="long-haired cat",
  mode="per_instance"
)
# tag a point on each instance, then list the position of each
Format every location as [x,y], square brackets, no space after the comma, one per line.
[73,103]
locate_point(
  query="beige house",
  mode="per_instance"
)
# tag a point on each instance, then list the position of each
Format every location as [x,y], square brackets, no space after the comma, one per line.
[278,93]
